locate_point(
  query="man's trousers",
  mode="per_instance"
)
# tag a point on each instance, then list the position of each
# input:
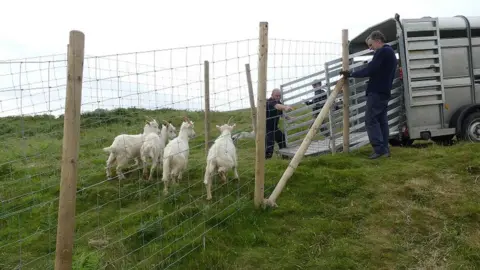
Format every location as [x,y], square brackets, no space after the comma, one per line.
[272,136]
[376,123]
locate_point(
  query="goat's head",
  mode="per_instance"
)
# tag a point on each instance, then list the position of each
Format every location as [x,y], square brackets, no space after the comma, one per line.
[226,128]
[171,130]
[151,126]
[187,126]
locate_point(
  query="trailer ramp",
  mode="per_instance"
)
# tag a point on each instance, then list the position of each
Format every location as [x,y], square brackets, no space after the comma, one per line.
[299,91]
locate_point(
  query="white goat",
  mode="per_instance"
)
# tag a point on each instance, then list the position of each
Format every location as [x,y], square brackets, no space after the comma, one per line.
[126,146]
[154,145]
[175,155]
[222,156]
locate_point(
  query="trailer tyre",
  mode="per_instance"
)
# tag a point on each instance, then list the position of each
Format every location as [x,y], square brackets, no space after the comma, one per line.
[471,127]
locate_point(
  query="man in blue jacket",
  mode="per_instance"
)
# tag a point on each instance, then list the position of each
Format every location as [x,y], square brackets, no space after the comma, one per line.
[381,72]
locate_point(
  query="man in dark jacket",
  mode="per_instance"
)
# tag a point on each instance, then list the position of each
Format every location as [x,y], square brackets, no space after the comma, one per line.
[381,72]
[318,92]
[321,95]
[275,110]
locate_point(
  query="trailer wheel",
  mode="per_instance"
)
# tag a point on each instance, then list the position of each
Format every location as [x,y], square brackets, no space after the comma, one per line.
[471,127]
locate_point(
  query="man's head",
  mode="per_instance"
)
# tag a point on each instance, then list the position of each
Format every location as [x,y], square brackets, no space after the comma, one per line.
[316,83]
[276,95]
[375,40]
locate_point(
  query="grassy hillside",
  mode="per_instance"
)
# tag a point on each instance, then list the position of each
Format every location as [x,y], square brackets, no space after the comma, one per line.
[417,209]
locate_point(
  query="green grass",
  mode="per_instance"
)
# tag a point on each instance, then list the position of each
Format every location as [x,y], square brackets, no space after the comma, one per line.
[418,209]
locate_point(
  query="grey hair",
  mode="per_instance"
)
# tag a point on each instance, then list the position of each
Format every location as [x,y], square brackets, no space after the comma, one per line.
[376,35]
[276,90]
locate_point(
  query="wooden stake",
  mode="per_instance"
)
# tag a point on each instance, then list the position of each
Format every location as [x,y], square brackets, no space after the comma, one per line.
[70,151]
[252,98]
[271,201]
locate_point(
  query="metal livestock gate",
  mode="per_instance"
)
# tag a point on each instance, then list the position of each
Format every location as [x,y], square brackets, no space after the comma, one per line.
[298,91]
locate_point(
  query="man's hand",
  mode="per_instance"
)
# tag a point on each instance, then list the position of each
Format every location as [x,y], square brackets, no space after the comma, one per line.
[345,73]
[289,118]
[288,108]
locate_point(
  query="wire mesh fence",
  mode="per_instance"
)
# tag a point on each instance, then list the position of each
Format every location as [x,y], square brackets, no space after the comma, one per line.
[131,223]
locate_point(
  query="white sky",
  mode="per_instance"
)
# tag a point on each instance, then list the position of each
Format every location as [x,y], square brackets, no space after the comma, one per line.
[34,28]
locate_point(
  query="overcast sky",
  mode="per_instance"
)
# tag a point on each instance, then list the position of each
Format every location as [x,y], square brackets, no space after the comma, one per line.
[34,28]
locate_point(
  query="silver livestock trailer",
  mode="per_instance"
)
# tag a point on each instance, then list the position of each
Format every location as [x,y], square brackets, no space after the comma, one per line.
[437,98]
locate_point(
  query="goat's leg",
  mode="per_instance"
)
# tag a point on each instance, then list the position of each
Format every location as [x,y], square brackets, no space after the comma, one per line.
[121,163]
[207,180]
[160,159]
[180,172]
[176,176]
[137,161]
[165,187]
[223,174]
[144,164]
[208,185]
[120,174]
[152,169]
[235,173]
[110,160]
[179,176]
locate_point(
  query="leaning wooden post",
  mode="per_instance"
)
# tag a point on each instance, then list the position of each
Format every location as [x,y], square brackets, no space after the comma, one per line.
[346,93]
[261,114]
[70,150]
[271,201]
[252,98]
[206,80]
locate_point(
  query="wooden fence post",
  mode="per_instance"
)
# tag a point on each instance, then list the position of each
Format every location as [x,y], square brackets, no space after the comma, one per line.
[346,93]
[70,151]
[261,114]
[206,80]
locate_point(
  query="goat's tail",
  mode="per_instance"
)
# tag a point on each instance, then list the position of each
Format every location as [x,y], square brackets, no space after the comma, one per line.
[108,149]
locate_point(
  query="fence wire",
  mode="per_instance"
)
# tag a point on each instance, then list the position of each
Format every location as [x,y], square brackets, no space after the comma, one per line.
[130,223]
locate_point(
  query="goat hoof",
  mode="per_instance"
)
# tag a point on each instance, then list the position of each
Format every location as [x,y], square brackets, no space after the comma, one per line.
[209,198]
[165,192]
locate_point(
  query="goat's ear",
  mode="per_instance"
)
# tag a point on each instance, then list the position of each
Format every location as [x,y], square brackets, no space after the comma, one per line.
[234,125]
[217,126]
